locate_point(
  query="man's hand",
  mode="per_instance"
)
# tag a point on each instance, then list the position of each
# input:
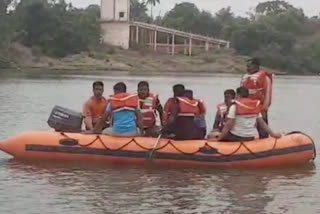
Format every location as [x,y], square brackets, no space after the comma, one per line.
[214,135]
[276,135]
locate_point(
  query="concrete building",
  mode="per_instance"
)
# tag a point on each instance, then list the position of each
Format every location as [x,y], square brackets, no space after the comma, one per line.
[115,15]
[119,30]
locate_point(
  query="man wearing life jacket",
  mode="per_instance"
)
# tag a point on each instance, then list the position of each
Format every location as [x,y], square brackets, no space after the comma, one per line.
[222,110]
[199,119]
[149,104]
[95,107]
[243,116]
[178,117]
[259,84]
[125,112]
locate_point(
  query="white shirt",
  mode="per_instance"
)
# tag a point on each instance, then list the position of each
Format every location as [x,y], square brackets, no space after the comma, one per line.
[245,125]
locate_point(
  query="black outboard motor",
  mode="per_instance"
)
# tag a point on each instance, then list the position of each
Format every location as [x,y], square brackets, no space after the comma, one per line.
[65,120]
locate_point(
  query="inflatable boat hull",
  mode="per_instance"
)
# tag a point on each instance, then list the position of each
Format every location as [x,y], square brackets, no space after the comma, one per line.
[292,149]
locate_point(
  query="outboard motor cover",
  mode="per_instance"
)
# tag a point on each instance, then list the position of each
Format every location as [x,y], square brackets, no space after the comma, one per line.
[65,120]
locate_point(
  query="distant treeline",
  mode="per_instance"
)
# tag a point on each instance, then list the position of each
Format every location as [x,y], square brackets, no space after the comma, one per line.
[277,32]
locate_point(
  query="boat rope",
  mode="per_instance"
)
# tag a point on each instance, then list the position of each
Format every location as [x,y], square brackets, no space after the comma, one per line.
[308,136]
[169,143]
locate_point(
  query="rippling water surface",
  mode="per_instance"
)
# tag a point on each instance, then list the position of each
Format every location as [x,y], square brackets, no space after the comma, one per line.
[26,101]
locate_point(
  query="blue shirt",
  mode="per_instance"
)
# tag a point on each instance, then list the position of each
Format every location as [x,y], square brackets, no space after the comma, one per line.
[124,122]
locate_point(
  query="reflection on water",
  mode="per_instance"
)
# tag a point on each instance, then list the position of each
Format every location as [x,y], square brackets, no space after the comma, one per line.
[127,189]
[68,188]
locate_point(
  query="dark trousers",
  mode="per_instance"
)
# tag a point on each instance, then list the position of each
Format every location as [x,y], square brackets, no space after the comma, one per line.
[262,133]
[184,128]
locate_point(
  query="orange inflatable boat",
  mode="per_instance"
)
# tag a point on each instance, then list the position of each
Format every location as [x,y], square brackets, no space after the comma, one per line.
[292,149]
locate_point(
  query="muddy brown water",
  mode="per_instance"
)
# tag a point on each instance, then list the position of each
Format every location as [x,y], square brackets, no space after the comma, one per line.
[26,101]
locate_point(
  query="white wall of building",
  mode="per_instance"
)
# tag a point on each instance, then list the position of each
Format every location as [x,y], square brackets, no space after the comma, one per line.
[116,34]
[107,9]
[111,9]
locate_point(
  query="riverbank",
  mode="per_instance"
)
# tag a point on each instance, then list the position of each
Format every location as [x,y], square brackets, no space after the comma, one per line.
[138,61]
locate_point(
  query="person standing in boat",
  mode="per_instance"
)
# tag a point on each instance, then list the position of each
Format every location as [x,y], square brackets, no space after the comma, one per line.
[95,107]
[199,119]
[259,84]
[149,105]
[222,110]
[178,116]
[243,116]
[125,112]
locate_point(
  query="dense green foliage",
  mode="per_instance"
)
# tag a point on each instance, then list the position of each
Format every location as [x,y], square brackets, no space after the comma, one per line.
[277,32]
[57,29]
[280,34]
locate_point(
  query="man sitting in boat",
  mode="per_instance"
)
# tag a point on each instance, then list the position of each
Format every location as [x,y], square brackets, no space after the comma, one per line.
[200,119]
[95,107]
[178,116]
[125,112]
[222,110]
[149,104]
[243,116]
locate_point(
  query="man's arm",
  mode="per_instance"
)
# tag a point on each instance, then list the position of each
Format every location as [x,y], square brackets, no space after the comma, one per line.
[226,129]
[139,120]
[266,128]
[267,88]
[101,122]
[160,111]
[87,116]
[217,121]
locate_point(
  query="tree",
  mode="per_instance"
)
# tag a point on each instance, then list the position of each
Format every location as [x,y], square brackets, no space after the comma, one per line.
[152,4]
[138,11]
[57,28]
[93,9]
[272,7]
[183,16]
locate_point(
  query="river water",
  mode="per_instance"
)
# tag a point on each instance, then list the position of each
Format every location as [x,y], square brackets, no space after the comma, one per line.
[26,101]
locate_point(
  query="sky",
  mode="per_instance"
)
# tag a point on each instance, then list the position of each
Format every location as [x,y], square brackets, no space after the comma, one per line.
[239,7]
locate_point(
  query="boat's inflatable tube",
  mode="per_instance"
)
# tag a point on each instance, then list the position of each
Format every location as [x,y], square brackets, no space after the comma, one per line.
[292,149]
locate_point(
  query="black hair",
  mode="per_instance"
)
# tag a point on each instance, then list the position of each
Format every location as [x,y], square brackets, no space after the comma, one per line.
[254,61]
[120,86]
[230,92]
[178,90]
[97,83]
[243,92]
[188,93]
[143,83]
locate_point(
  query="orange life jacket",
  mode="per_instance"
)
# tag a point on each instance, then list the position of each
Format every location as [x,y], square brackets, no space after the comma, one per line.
[247,106]
[124,101]
[148,107]
[166,110]
[202,107]
[222,111]
[257,85]
[188,107]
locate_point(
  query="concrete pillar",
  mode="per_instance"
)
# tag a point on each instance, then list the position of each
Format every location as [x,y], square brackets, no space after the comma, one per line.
[168,43]
[131,34]
[228,45]
[155,40]
[150,39]
[190,46]
[207,46]
[185,47]
[137,34]
[173,44]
